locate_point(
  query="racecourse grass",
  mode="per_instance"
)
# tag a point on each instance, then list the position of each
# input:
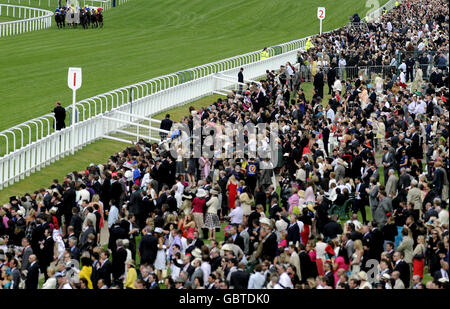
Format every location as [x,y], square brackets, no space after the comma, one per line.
[144,39]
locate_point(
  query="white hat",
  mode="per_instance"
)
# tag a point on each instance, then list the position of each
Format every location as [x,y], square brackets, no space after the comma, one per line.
[362,275]
[386,276]
[196,260]
[197,253]
[129,175]
[281,225]
[264,221]
[158,230]
[20,212]
[54,209]
[201,193]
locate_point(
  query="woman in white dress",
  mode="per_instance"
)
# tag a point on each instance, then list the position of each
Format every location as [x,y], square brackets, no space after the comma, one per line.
[357,257]
[160,262]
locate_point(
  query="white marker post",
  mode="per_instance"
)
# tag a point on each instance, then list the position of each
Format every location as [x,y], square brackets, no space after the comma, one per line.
[320,16]
[74,82]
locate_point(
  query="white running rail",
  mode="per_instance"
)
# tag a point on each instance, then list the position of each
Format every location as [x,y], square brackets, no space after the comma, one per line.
[31,19]
[43,146]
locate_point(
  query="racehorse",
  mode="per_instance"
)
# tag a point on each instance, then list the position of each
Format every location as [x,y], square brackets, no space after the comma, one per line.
[60,19]
[94,19]
[100,18]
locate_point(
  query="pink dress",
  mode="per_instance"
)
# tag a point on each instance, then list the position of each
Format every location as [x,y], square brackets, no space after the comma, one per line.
[293,201]
[309,195]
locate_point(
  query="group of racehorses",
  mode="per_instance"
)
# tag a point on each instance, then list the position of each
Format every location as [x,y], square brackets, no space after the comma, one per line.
[87,17]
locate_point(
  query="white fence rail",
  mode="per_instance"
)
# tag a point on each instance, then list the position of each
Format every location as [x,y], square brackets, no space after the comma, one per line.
[32,19]
[146,98]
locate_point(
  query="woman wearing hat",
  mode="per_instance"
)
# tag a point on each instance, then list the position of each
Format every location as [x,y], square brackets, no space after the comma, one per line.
[131,275]
[212,219]
[197,208]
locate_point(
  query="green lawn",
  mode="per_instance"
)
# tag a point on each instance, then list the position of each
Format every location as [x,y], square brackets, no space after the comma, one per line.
[144,39]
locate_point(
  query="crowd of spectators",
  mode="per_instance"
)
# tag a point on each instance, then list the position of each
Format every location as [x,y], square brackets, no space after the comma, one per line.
[356,199]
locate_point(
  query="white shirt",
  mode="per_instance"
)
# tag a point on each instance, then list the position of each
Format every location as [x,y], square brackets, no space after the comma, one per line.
[206,268]
[113,215]
[330,114]
[402,66]
[256,281]
[285,281]
[83,195]
[237,215]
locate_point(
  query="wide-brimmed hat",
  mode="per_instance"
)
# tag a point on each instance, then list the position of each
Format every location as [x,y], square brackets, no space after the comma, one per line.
[386,276]
[196,260]
[201,193]
[130,262]
[197,253]
[301,193]
[264,221]
[362,275]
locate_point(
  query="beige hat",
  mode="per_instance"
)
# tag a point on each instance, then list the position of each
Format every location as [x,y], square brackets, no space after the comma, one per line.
[362,275]
[265,221]
[196,260]
[201,193]
[386,276]
[281,225]
[212,191]
[197,253]
[130,262]
[301,193]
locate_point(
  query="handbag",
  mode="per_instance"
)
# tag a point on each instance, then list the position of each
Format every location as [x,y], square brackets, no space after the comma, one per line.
[420,256]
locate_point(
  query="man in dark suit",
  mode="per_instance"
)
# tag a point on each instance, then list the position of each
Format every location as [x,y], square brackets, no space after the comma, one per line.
[361,199]
[117,191]
[76,222]
[388,161]
[239,278]
[308,268]
[60,116]
[32,279]
[236,238]
[153,282]
[402,267]
[441,273]
[274,209]
[69,197]
[332,228]
[104,268]
[46,253]
[240,79]
[376,241]
[318,83]
[15,273]
[293,230]
[118,261]
[329,277]
[27,252]
[74,250]
[270,245]
[148,247]
[166,124]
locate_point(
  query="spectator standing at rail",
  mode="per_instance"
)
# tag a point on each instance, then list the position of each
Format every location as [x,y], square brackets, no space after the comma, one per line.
[60,116]
[240,79]
[166,124]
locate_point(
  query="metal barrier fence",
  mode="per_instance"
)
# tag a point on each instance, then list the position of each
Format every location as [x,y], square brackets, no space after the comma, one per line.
[145,99]
[367,72]
[33,19]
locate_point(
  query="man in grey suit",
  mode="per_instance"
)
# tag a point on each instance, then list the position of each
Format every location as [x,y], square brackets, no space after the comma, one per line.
[415,197]
[373,194]
[384,206]
[15,272]
[388,161]
[198,272]
[391,184]
[27,251]
[340,169]
[243,232]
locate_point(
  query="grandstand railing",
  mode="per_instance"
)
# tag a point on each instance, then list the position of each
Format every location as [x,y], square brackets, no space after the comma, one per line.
[146,98]
[32,19]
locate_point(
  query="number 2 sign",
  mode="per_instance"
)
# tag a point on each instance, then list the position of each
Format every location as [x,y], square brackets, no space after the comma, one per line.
[320,13]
